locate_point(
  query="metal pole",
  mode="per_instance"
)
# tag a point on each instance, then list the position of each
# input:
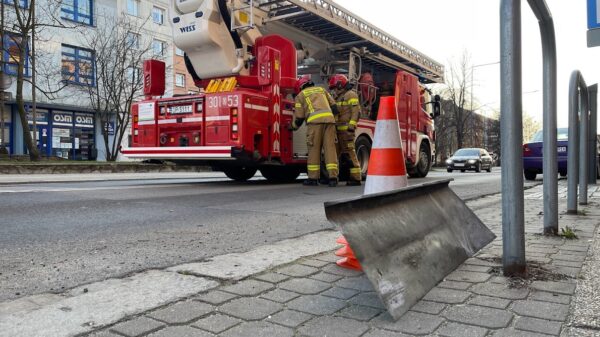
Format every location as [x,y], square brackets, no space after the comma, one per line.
[584,130]
[511,122]
[576,88]
[550,165]
[593,147]
[573,146]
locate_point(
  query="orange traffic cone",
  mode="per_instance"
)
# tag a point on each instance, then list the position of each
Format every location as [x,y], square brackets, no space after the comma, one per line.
[345,251]
[349,260]
[387,169]
[349,263]
[341,240]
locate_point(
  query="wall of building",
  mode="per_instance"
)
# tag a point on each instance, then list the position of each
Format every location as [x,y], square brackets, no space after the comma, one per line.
[179,68]
[74,98]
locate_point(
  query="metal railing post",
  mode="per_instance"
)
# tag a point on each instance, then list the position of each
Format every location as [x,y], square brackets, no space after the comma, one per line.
[593,145]
[511,121]
[577,89]
[584,130]
[550,164]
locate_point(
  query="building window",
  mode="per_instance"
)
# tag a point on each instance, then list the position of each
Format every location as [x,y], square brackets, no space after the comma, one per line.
[22,3]
[180,80]
[158,15]
[12,55]
[78,11]
[134,74]
[179,52]
[133,40]
[158,47]
[132,7]
[78,65]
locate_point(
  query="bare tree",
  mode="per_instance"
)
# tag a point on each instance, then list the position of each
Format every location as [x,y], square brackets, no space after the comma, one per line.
[119,52]
[530,126]
[459,111]
[444,136]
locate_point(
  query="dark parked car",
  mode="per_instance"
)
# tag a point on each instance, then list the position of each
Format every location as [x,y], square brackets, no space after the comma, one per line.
[470,159]
[533,156]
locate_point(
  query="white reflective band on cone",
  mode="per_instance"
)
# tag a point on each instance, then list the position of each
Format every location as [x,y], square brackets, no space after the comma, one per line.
[378,184]
[391,132]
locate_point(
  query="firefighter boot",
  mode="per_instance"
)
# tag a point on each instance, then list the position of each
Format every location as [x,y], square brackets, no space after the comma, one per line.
[353,183]
[333,182]
[310,182]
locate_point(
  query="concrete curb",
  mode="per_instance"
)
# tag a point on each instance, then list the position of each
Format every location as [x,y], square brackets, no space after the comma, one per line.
[18,168]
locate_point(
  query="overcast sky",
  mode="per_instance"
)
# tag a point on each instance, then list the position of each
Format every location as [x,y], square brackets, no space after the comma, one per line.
[443,29]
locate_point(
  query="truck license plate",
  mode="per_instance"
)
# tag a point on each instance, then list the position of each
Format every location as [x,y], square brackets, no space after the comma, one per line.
[180,109]
[562,149]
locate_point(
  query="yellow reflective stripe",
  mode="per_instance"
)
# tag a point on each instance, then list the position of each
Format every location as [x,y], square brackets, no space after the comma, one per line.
[342,127]
[310,106]
[355,170]
[298,105]
[339,103]
[314,167]
[311,91]
[322,114]
[353,123]
[332,166]
[353,101]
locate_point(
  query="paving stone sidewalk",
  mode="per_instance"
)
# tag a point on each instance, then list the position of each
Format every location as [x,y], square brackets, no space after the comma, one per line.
[314,297]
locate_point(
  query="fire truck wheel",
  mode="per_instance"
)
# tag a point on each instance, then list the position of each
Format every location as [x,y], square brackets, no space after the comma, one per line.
[240,173]
[280,174]
[363,152]
[422,167]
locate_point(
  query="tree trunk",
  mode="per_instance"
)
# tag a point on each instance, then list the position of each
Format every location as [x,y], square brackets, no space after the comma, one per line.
[34,154]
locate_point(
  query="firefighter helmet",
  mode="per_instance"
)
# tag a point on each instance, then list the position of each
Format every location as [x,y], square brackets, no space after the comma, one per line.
[338,81]
[303,82]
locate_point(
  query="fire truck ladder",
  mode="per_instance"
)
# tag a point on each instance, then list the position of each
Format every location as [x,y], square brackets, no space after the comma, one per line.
[345,30]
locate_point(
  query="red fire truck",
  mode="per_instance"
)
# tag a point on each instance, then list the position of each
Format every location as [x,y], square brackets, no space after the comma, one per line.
[246,56]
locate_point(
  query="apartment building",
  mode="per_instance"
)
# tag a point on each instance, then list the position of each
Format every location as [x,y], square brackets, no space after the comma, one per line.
[65,123]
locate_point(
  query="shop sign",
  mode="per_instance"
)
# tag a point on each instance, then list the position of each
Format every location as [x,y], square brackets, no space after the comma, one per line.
[84,120]
[110,128]
[41,117]
[61,118]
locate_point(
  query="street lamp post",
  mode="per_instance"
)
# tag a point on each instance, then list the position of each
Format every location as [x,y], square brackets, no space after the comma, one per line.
[472,109]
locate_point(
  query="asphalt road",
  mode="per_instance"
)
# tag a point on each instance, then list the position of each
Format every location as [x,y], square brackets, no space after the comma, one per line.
[54,236]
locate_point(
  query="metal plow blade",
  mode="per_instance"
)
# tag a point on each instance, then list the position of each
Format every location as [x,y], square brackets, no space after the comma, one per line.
[409,239]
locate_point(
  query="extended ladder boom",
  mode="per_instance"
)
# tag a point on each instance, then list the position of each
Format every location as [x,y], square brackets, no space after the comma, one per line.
[340,27]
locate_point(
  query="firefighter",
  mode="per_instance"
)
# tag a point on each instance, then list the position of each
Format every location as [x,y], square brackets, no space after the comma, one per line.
[348,105]
[316,106]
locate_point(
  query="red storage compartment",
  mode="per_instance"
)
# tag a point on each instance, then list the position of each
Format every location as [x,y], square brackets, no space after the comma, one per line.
[287,51]
[154,78]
